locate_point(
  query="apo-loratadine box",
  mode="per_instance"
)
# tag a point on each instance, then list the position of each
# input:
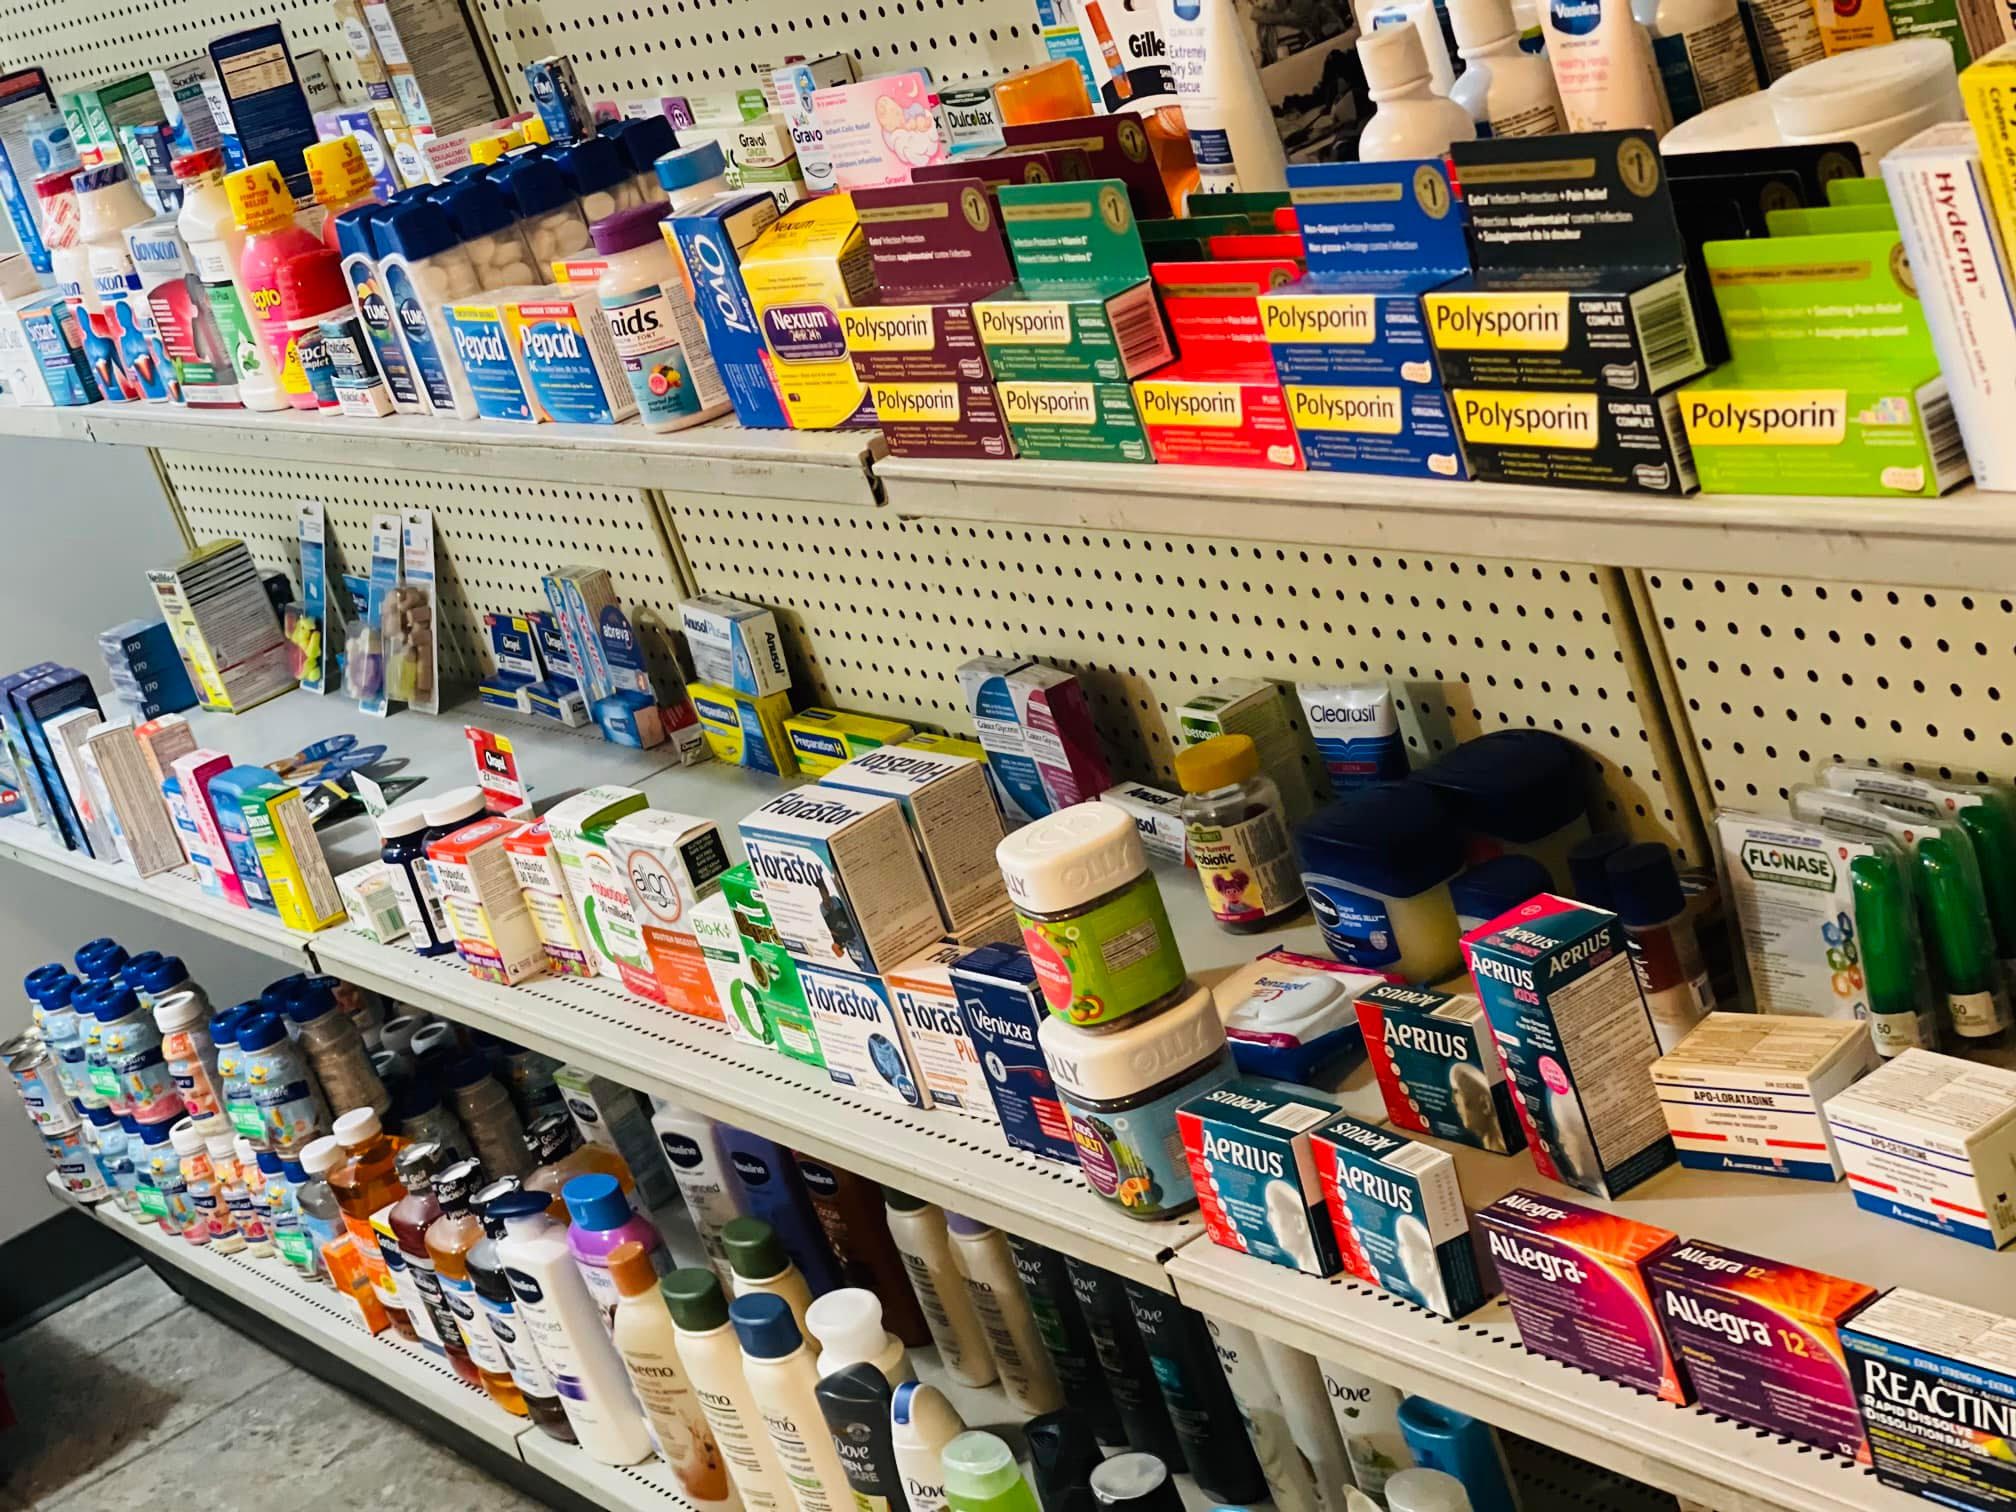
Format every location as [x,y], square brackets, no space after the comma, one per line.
[1397,1209]
[1936,1385]
[1577,1282]
[1760,1341]
[1744,1092]
[1931,1139]
[1437,1067]
[1251,1154]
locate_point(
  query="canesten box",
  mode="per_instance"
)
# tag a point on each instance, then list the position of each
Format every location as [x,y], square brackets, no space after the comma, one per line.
[1760,433]
[479,893]
[1577,1282]
[744,731]
[542,880]
[1252,1156]
[1936,1385]
[1760,1341]
[1076,422]
[671,862]
[1002,1008]
[952,815]
[1437,1067]
[940,419]
[1744,1091]
[940,1047]
[1931,1139]
[1398,1213]
[860,1034]
[1574,440]
[1204,413]
[1402,431]
[822,739]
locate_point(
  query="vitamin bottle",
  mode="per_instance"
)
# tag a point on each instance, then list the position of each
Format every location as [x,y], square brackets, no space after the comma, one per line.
[109,1144]
[1701,51]
[411,1216]
[657,332]
[783,1382]
[500,1314]
[208,1218]
[856,1225]
[216,245]
[604,1220]
[1238,834]
[403,829]
[486,219]
[919,1231]
[229,1158]
[922,1421]
[264,211]
[340,180]
[183,1017]
[712,1357]
[455,1231]
[113,1008]
[692,1145]
[107,204]
[690,176]
[649,1345]
[419,1115]
[330,1041]
[601,177]
[137,1067]
[554,226]
[757,1258]
[1508,91]
[848,1327]
[291,1236]
[1411,121]
[163,1165]
[321,1217]
[981,1252]
[981,1476]
[363,1183]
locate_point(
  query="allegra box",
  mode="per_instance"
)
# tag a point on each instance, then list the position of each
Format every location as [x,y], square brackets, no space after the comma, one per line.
[1398,1212]
[1577,1282]
[1936,1385]
[1437,1066]
[1760,1341]
[671,862]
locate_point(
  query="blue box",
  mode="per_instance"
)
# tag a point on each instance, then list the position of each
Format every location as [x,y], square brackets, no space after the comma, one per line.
[476,329]
[146,667]
[1397,1210]
[227,797]
[710,243]
[1251,1156]
[629,718]
[1437,1067]
[1400,431]
[30,704]
[1002,1007]
[50,323]
[558,699]
[15,739]
[272,121]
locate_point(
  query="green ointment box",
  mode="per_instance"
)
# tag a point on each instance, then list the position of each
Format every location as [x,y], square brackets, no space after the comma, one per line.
[1574,440]
[1076,422]
[1771,435]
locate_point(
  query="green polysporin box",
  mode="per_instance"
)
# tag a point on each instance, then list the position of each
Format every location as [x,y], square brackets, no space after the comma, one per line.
[1079,422]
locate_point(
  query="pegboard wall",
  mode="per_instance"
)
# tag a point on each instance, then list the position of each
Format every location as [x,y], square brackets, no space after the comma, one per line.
[79,45]
[880,611]
[1779,676]
[492,540]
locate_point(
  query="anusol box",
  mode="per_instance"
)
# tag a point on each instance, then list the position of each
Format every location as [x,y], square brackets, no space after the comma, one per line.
[1402,431]
[1200,411]
[1574,440]
[1936,1384]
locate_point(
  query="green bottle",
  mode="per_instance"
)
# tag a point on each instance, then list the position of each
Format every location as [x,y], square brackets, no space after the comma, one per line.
[1893,968]
[1962,942]
[981,1476]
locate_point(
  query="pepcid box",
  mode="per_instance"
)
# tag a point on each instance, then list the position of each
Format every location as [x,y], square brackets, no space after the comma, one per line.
[1397,1210]
[1251,1155]
[1437,1066]
[1936,1385]
[1746,1091]
[1577,1042]
[842,878]
[735,644]
[1931,1139]
[952,815]
[860,1034]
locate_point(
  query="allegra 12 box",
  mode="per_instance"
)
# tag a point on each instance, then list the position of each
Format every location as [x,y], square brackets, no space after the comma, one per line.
[1398,1212]
[1936,1385]
[1577,1282]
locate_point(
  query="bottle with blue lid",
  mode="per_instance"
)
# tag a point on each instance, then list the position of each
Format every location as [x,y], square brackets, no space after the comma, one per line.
[486,218]
[290,1110]
[1516,790]
[424,267]
[1484,891]
[1377,864]
[688,177]
[601,176]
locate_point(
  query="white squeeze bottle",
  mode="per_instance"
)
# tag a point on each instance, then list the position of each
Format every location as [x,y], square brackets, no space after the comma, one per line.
[215,242]
[712,1356]
[1412,121]
[919,1231]
[692,1145]
[1508,92]
[1298,1383]
[566,1327]
[783,1383]
[1602,62]
[757,1258]
[921,1423]
[649,1345]
[1701,51]
[848,1325]
[996,1289]
[1368,1417]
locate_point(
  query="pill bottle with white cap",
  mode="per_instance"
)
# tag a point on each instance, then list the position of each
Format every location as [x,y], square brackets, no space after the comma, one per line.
[1876,97]
[658,333]
[423,267]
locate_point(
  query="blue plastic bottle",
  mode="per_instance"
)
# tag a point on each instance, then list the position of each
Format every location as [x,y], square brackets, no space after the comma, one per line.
[1459,1445]
[774,1191]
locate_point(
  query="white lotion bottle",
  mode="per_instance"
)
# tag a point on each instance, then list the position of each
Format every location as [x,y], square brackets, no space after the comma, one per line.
[919,1231]
[1508,92]
[649,1346]
[1291,1479]
[1411,121]
[692,1145]
[1298,1383]
[995,1287]
[1232,130]
[566,1327]
[848,1325]
[1368,1418]
[922,1421]
[783,1383]
[712,1356]
[1701,51]
[1603,66]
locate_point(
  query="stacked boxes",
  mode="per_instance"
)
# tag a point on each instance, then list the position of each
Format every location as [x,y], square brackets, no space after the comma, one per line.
[953,820]
[214,601]
[1220,403]
[145,668]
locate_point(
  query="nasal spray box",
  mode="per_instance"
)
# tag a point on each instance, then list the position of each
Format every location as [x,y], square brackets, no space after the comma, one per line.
[1577,1280]
[1437,1067]
[1577,1042]
[1397,1209]
[1252,1157]
[708,244]
[1760,1341]
[1037,729]
[1936,1385]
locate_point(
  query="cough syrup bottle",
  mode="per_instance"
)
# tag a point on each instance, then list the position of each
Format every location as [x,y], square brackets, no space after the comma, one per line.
[263,209]
[217,246]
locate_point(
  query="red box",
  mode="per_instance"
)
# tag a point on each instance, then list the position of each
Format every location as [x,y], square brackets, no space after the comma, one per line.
[1200,411]
[1216,306]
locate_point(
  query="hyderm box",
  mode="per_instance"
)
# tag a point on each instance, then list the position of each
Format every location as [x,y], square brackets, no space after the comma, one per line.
[1398,1212]
[1251,1153]
[1935,1382]
[1437,1067]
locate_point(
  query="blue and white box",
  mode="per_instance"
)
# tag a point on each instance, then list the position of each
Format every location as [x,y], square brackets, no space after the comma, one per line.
[1936,1384]
[32,704]
[735,644]
[1437,1068]
[1003,1008]
[1254,1163]
[514,651]
[1401,430]
[710,242]
[227,796]
[860,1033]
[568,357]
[1397,1210]
[483,346]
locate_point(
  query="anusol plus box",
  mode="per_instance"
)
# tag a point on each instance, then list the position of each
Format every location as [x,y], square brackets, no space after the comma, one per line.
[1936,1384]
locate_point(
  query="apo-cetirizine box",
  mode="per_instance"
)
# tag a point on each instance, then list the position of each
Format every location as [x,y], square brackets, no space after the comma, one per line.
[1936,1384]
[1397,1209]
[1437,1068]
[1252,1157]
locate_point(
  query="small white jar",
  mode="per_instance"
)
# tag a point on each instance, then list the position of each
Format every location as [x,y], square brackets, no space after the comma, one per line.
[1744,122]
[1412,121]
[1876,97]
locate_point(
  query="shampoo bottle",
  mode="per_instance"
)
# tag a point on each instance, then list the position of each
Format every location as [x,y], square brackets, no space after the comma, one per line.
[855,1401]
[1123,1359]
[1201,1406]
[1508,91]
[1063,1452]
[1298,1383]
[851,1215]
[1603,66]
[1291,1479]
[1066,1339]
[648,1344]
[848,1325]
[1412,121]
[1368,1416]
[783,1382]
[1134,1482]
[980,1476]
[712,1357]
[1458,1445]
[773,1191]
[921,1423]
[919,1231]
[996,1291]
[759,1264]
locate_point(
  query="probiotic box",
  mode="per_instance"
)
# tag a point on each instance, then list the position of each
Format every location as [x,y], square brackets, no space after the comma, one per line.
[943,1051]
[1744,1092]
[953,817]
[1936,1384]
[1251,1155]
[671,862]
[1576,1280]
[1398,1213]
[1437,1067]
[861,1035]
[596,883]
[842,878]
[1760,1341]
[1577,1042]
[1931,1139]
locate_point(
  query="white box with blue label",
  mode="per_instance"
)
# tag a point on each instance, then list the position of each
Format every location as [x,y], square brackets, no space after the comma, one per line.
[735,644]
[1398,1212]
[1002,1008]
[1437,1067]
[860,1033]
[1252,1157]
[479,333]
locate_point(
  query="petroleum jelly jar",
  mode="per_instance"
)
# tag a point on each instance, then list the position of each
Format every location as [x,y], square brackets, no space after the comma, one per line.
[1376,865]
[1515,791]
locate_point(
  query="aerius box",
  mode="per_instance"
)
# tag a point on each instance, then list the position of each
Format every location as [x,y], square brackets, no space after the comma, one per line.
[1580,284]
[1198,410]
[1574,440]
[1400,429]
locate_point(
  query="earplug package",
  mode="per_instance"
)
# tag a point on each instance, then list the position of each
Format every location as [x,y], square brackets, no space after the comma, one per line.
[1397,1209]
[1248,1144]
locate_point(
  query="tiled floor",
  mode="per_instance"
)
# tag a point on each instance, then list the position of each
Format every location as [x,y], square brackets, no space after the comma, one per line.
[132,1399]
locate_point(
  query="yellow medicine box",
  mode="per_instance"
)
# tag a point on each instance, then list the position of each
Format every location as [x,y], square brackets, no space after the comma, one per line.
[822,739]
[801,272]
[304,892]
[745,731]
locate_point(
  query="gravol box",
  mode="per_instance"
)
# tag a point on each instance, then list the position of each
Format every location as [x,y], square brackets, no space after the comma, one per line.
[1936,1385]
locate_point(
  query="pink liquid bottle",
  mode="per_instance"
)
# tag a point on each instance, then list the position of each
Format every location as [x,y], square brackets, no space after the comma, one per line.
[264,210]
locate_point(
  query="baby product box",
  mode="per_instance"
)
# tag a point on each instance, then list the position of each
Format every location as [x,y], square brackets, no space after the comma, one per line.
[841,878]
[1437,1066]
[1746,1092]
[1252,1156]
[1936,1385]
[1398,1212]
[1401,431]
[861,1034]
[1002,1008]
[1577,1280]
[823,739]
[1577,1043]
[742,730]
[801,272]
[734,644]
[1760,1341]
[776,973]
[952,817]
[1037,728]
[1199,411]
[944,1054]
[881,130]
[671,862]
[708,244]
[1931,1139]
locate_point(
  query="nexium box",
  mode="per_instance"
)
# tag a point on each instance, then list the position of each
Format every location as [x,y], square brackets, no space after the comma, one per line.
[1574,440]
[1377,237]
[1399,429]
[1083,309]
[1580,284]
[801,272]
[1080,422]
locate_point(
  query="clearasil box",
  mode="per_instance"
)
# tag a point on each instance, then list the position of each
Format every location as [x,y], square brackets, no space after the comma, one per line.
[1002,1008]
[1936,1385]
[1577,1282]
[1198,410]
[1398,1212]
[1437,1067]
[1252,1157]
[1577,1043]
[709,243]
[1401,430]
[860,1034]
[1760,1341]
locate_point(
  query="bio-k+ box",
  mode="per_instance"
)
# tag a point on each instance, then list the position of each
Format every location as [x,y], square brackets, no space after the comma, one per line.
[1437,1066]
[1250,1151]
[1397,1210]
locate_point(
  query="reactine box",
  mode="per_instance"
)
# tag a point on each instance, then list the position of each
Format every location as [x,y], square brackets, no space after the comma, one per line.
[1437,1068]
[1936,1385]
[1398,1212]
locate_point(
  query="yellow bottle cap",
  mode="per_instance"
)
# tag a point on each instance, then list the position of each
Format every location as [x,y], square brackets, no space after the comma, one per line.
[259,198]
[338,173]
[535,131]
[1221,761]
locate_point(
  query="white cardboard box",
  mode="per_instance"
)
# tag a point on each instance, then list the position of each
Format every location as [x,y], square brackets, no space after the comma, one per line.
[953,817]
